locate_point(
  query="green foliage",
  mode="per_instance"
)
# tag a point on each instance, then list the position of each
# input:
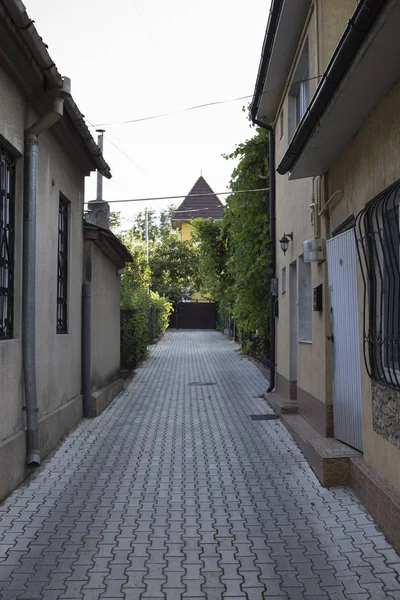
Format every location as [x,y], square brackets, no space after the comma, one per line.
[235,252]
[142,323]
[148,291]
[173,265]
[213,277]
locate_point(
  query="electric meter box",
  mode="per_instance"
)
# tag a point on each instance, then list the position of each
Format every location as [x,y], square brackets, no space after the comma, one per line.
[314,250]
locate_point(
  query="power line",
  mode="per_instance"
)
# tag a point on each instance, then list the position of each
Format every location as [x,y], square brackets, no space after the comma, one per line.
[188,196]
[156,50]
[125,154]
[118,148]
[190,108]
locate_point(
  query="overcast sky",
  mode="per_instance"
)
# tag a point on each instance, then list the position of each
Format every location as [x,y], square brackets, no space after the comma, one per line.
[129,59]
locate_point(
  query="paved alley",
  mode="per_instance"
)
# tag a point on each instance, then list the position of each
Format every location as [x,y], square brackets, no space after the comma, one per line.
[175,492]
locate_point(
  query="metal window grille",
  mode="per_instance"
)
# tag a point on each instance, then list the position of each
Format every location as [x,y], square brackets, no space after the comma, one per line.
[377,230]
[7,207]
[62,274]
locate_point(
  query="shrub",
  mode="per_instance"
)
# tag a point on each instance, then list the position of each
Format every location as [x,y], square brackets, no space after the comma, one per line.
[141,323]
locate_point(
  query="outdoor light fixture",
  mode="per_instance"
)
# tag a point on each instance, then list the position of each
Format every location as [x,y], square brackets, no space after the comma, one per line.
[284,241]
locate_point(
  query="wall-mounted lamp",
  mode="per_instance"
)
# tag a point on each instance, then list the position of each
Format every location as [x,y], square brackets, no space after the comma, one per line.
[284,241]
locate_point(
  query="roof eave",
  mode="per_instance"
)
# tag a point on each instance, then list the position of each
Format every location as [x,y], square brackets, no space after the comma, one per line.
[352,44]
[285,25]
[108,243]
[17,18]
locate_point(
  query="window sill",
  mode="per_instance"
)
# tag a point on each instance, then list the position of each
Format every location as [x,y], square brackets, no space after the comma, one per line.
[305,342]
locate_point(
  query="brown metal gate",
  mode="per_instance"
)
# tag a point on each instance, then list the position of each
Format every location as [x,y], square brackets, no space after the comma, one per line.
[194,315]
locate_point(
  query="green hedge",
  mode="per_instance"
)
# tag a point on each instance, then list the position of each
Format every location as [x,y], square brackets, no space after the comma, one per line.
[142,324]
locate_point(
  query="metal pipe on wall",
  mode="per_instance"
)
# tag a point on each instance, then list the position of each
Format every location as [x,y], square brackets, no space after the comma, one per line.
[272,228]
[86,350]
[29,276]
[29,299]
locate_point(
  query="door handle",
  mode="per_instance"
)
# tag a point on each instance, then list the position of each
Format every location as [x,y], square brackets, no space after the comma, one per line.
[330,338]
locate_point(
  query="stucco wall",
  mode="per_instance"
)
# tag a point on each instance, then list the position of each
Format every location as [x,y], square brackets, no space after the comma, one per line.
[105,320]
[293,199]
[368,166]
[185,232]
[332,21]
[58,356]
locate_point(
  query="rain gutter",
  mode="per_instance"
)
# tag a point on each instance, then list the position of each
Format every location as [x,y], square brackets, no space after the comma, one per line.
[273,20]
[354,35]
[53,80]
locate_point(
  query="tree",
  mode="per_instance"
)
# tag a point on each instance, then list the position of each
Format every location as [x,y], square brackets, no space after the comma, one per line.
[235,262]
[172,263]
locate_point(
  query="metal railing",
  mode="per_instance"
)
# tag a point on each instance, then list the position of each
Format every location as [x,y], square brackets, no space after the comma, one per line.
[377,231]
[7,207]
[62,271]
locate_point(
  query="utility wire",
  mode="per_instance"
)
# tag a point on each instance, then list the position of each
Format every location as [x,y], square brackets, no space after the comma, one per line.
[190,108]
[125,154]
[118,148]
[188,196]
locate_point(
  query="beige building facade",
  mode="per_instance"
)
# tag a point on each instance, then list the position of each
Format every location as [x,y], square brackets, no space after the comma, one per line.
[46,151]
[328,88]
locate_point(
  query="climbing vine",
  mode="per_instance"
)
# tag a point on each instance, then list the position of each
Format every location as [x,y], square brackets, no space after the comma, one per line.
[235,260]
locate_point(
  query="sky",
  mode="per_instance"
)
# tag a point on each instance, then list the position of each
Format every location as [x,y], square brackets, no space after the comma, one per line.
[130,59]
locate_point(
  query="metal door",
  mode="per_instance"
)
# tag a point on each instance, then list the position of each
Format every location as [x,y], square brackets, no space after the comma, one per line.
[342,276]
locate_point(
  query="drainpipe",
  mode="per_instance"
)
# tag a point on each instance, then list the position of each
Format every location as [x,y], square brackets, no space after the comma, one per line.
[29,273]
[272,231]
[86,350]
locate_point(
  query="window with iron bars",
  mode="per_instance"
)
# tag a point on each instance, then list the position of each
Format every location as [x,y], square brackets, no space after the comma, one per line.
[7,207]
[62,266]
[377,230]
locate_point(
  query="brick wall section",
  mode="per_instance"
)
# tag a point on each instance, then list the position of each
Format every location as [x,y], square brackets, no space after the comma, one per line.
[285,388]
[316,413]
[381,500]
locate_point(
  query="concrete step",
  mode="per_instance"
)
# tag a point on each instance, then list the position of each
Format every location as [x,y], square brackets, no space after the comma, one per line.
[329,458]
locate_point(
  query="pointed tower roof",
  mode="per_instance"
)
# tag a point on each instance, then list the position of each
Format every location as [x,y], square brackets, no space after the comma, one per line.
[195,206]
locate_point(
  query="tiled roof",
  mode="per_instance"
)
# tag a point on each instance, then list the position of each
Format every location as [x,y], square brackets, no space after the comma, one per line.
[200,206]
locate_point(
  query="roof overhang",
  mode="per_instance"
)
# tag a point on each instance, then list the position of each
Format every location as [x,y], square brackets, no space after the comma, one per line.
[25,58]
[108,243]
[285,25]
[370,75]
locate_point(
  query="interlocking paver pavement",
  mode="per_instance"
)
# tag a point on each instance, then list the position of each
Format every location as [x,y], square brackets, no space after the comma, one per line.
[174,492]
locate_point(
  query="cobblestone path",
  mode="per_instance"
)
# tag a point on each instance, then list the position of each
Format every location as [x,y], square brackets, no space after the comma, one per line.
[174,492]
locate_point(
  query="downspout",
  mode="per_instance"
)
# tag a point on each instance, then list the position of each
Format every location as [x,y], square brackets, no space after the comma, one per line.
[272,231]
[86,349]
[29,274]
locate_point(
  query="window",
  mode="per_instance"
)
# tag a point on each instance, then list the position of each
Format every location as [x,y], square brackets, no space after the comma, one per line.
[281,123]
[378,241]
[284,280]
[7,202]
[62,266]
[305,301]
[299,93]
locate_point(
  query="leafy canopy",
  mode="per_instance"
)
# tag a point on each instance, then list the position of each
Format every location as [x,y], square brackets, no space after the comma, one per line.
[234,253]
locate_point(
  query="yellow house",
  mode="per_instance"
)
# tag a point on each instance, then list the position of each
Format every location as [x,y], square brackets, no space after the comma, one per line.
[328,91]
[201,202]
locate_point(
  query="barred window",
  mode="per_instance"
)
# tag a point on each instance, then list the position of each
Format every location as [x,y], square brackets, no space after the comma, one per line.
[62,268]
[7,207]
[377,230]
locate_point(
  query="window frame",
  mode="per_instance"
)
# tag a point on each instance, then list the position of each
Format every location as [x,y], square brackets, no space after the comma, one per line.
[305,309]
[299,91]
[62,264]
[7,241]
